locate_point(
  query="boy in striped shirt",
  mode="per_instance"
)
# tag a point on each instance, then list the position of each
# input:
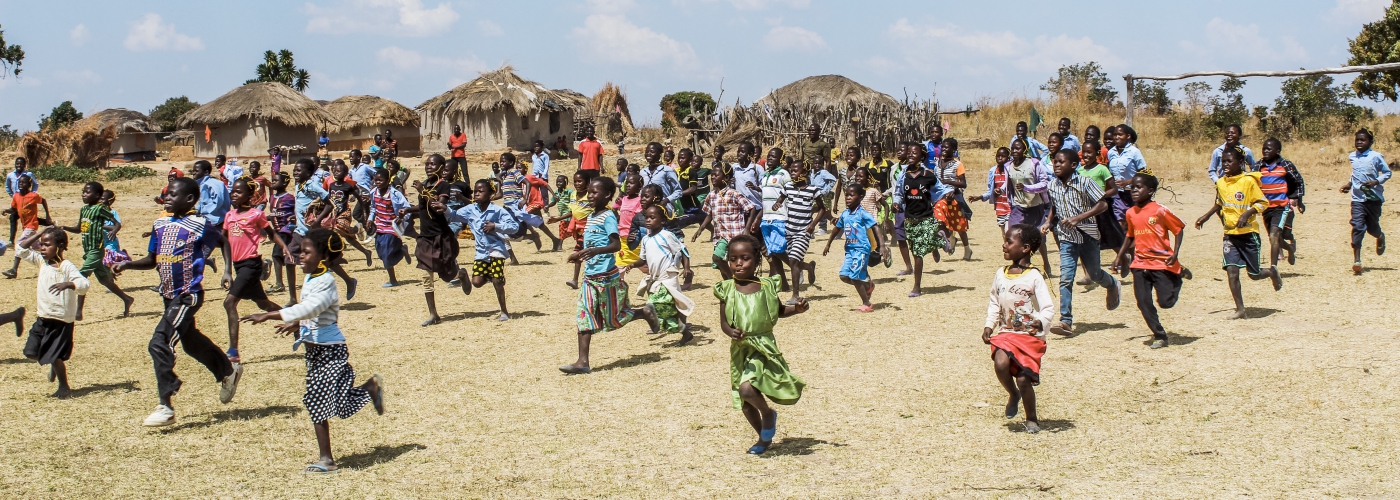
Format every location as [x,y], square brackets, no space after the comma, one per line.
[804,207]
[1283,187]
[1238,199]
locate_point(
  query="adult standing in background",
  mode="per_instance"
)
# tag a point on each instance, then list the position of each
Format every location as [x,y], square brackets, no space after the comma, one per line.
[457,144]
[816,152]
[590,151]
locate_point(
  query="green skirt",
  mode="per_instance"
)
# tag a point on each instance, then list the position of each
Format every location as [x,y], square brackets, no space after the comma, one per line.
[665,306]
[757,360]
[923,235]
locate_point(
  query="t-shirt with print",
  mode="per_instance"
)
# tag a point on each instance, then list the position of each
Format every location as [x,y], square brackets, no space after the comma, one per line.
[772,186]
[856,223]
[699,178]
[918,195]
[432,224]
[26,206]
[245,233]
[280,212]
[341,195]
[1148,227]
[179,246]
[627,209]
[261,187]
[1237,194]
[90,221]
[601,227]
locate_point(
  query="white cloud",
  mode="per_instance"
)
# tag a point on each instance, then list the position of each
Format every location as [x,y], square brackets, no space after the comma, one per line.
[488,28]
[970,48]
[611,6]
[78,78]
[151,34]
[1358,11]
[326,81]
[411,17]
[614,39]
[409,60]
[79,35]
[1225,37]
[785,38]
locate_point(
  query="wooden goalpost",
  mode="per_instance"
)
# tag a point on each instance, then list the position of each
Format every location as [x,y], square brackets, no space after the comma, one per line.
[1128,102]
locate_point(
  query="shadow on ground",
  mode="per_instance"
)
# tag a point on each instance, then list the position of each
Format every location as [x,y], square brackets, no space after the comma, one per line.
[377,455]
[798,446]
[127,386]
[633,360]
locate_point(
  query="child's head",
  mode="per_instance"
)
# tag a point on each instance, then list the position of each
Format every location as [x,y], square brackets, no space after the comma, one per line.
[52,244]
[744,153]
[483,190]
[651,194]
[1233,161]
[797,171]
[356,156]
[852,155]
[181,195]
[1003,155]
[25,184]
[668,156]
[949,149]
[108,198]
[320,245]
[507,161]
[901,152]
[581,179]
[876,150]
[560,182]
[339,171]
[1110,137]
[1364,140]
[220,160]
[601,192]
[1089,153]
[20,164]
[1021,129]
[303,170]
[240,193]
[853,195]
[538,147]
[393,166]
[254,168]
[1126,135]
[381,179]
[1092,133]
[1272,148]
[1063,127]
[92,193]
[1020,242]
[279,181]
[652,153]
[775,157]
[685,157]
[655,217]
[1018,149]
[1056,141]
[378,138]
[935,133]
[1144,186]
[862,177]
[433,163]
[634,184]
[1065,162]
[1233,132]
[718,180]
[201,168]
[621,165]
[633,168]
[743,257]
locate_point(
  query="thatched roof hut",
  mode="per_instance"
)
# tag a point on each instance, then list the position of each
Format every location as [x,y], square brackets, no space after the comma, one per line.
[498,110]
[826,91]
[359,117]
[612,119]
[135,133]
[248,120]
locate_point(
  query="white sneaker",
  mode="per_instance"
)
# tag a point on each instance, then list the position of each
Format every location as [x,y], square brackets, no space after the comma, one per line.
[162,417]
[230,384]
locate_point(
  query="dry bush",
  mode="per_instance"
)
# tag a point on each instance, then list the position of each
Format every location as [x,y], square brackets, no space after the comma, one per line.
[83,144]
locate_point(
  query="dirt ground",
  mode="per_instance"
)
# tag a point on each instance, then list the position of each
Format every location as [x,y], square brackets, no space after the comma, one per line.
[1295,401]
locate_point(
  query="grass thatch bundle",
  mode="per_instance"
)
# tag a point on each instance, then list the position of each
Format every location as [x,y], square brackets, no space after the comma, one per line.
[826,91]
[124,120]
[261,100]
[612,118]
[498,89]
[353,111]
[83,144]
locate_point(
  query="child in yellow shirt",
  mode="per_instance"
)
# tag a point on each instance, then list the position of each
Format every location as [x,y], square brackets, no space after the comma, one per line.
[1238,199]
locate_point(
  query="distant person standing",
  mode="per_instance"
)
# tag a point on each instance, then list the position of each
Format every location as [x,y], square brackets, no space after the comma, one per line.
[323,149]
[391,145]
[590,151]
[457,143]
[1232,140]
[1067,138]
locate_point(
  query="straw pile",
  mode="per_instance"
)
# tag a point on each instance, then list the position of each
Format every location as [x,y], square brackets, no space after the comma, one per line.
[124,120]
[354,111]
[612,119]
[264,100]
[83,144]
[826,91]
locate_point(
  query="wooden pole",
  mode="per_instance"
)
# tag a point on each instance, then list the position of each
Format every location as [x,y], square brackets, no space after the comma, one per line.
[1128,103]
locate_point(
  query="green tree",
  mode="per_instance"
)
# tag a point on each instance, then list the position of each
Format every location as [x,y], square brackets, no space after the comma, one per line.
[61,116]
[683,104]
[1082,81]
[169,112]
[1378,42]
[279,67]
[1312,107]
[11,56]
[1228,108]
[1152,96]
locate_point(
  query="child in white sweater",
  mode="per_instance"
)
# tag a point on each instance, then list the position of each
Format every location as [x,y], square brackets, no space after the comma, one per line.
[59,285]
[1019,312]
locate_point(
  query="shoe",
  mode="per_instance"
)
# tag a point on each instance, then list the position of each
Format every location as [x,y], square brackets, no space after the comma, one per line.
[233,356]
[1159,343]
[1380,245]
[162,417]
[1186,273]
[1063,328]
[1116,293]
[8,274]
[230,384]
[276,288]
[389,285]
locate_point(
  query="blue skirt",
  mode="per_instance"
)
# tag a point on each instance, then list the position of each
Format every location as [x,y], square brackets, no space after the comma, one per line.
[390,249]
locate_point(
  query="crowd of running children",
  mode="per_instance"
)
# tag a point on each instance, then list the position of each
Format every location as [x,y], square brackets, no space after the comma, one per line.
[1088,195]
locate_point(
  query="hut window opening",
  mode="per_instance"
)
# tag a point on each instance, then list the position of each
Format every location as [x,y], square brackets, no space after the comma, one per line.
[524,122]
[553,122]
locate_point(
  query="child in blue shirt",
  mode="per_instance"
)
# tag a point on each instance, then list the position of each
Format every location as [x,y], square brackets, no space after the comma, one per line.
[855,223]
[488,223]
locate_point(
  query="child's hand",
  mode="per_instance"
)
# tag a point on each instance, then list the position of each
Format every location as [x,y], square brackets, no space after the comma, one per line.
[734,333]
[826,249]
[1171,261]
[1346,189]
[287,328]
[58,288]
[987,336]
[1371,183]
[578,256]
[489,227]
[801,306]
[258,318]
[1242,223]
[226,282]
[1200,222]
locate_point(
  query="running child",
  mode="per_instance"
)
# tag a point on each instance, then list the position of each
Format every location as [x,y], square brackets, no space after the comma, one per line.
[996,183]
[1283,187]
[329,376]
[1026,181]
[855,224]
[919,192]
[489,224]
[281,213]
[310,195]
[245,228]
[801,201]
[953,211]
[774,224]
[602,304]
[437,245]
[727,210]
[749,309]
[873,202]
[1151,229]
[388,206]
[260,185]
[1075,202]
[91,220]
[343,191]
[25,206]
[1368,172]
[1238,199]
[110,227]
[579,210]
[179,244]
[628,206]
[664,258]
[56,298]
[1019,312]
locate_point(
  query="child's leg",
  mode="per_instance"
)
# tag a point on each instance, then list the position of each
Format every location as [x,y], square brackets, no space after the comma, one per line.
[277,271]
[14,269]
[1275,239]
[17,317]
[1233,273]
[584,340]
[369,256]
[797,266]
[864,289]
[1144,282]
[1028,400]
[904,253]
[393,280]
[105,278]
[1002,362]
[767,417]
[775,268]
[429,278]
[60,371]
[291,283]
[1045,260]
[574,284]
[231,308]
[754,417]
[967,249]
[339,269]
[323,445]
[918,277]
[500,285]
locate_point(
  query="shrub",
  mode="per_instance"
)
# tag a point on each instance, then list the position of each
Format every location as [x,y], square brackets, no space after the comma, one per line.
[1085,81]
[65,173]
[127,172]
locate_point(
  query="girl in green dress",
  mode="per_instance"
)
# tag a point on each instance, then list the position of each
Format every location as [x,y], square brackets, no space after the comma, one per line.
[749,307]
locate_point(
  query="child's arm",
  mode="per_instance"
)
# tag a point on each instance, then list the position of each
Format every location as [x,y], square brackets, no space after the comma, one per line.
[276,239]
[703,224]
[1118,260]
[818,217]
[829,239]
[45,203]
[73,280]
[993,313]
[753,217]
[142,264]
[1049,217]
[614,244]
[1098,208]
[1176,249]
[800,307]
[724,326]
[880,233]
[1215,209]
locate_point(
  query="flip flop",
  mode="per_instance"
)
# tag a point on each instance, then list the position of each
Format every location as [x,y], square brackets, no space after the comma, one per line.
[914,294]
[320,470]
[575,370]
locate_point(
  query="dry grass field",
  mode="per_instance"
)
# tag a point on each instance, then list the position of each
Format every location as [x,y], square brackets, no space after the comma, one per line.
[1298,401]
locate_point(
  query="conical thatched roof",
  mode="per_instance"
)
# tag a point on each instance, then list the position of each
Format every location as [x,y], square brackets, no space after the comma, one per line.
[827,91]
[370,111]
[266,100]
[122,119]
[497,89]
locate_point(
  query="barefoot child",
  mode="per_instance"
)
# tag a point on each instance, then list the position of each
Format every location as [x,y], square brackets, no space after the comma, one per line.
[628,206]
[749,309]
[855,224]
[489,224]
[25,205]
[1018,314]
[664,258]
[1156,266]
[1026,179]
[1075,201]
[90,223]
[1368,172]
[1283,187]
[281,213]
[343,191]
[801,201]
[329,376]
[602,304]
[246,226]
[579,210]
[996,181]
[179,244]
[1238,199]
[59,286]
[727,210]
[437,246]
[387,207]
[953,210]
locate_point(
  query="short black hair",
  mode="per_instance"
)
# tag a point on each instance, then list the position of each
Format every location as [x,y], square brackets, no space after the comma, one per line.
[202,165]
[951,143]
[1148,180]
[490,186]
[60,238]
[1071,155]
[1275,141]
[1030,235]
[746,239]
[654,187]
[326,242]
[1236,152]
[184,185]
[1367,133]
[95,186]
[1128,129]
[609,186]
[504,155]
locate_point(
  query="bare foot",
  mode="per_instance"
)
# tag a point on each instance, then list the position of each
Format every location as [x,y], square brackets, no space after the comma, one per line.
[62,393]
[905,272]
[571,285]
[686,336]
[126,306]
[1032,427]
[503,317]
[350,288]
[1238,314]
[648,314]
[369,259]
[1012,405]
[432,321]
[466,283]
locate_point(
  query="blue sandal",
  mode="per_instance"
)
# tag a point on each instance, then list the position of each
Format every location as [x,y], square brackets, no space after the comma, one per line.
[319,470]
[765,438]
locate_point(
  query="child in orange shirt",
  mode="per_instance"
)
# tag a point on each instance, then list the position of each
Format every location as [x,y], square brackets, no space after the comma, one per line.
[26,205]
[1154,259]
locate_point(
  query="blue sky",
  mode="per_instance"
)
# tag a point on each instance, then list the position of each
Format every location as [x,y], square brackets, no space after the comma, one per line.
[135,54]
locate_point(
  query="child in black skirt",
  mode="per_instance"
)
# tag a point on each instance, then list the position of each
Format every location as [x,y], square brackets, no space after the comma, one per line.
[59,285]
[437,245]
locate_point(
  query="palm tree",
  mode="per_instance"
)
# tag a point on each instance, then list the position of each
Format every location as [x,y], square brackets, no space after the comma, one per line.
[279,67]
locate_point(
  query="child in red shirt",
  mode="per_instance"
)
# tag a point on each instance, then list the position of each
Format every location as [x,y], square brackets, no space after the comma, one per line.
[1154,258]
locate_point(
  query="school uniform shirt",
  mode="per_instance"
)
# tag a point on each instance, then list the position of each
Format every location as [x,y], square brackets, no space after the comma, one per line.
[996,178]
[1149,226]
[590,152]
[213,199]
[662,252]
[26,206]
[12,182]
[824,181]
[1216,171]
[800,205]
[1020,304]
[919,194]
[64,305]
[855,224]
[363,175]
[539,165]
[880,174]
[1368,166]
[231,173]
[1070,142]
[665,177]
[727,208]
[306,193]
[745,175]
[318,312]
[772,188]
[386,209]
[488,245]
[245,233]
[179,245]
[1280,182]
[1075,196]
[1236,195]
[598,233]
[1126,163]
[1026,183]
